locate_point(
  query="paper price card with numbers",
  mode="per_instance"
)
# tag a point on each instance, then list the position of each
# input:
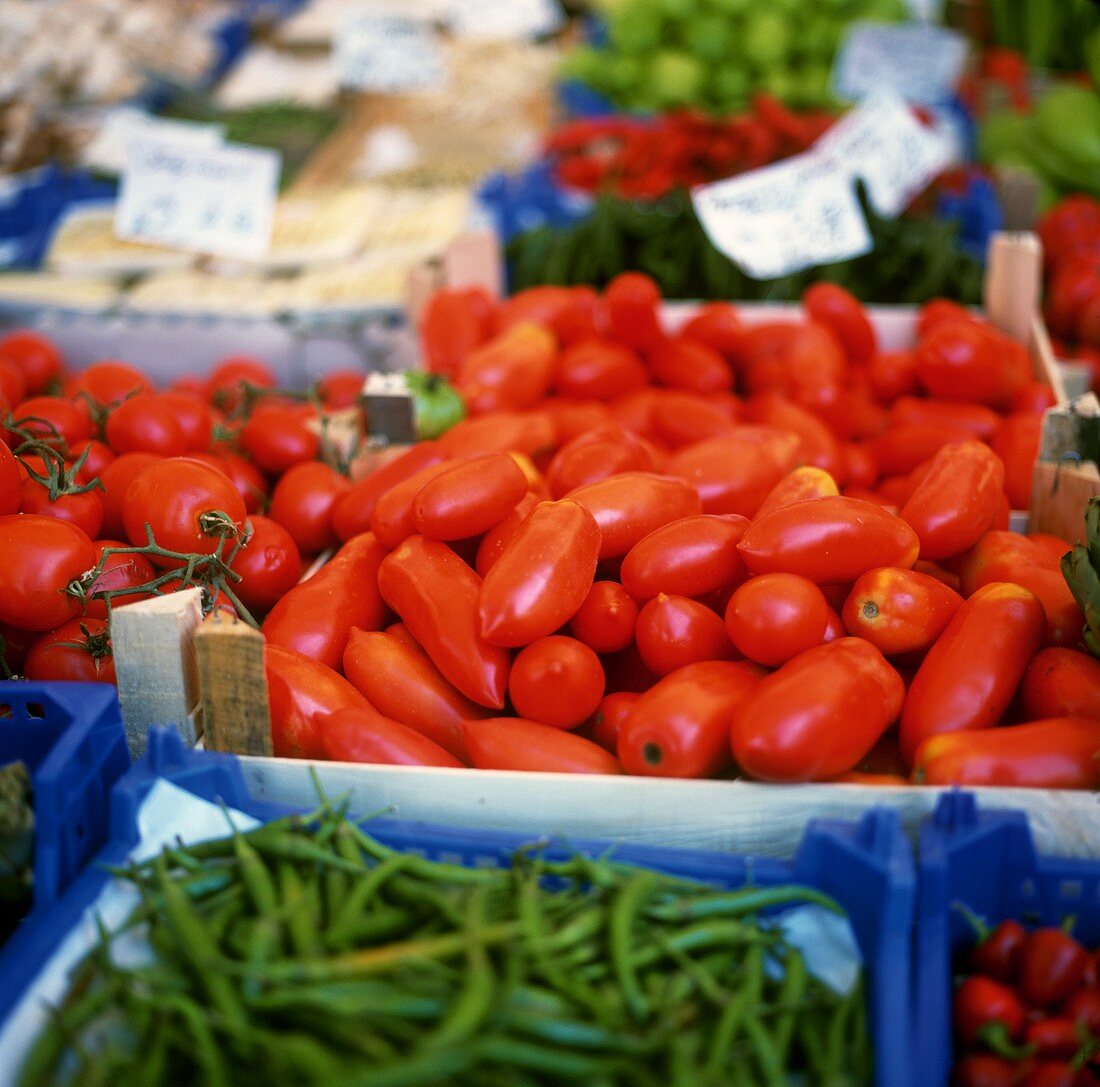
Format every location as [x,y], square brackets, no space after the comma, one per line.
[499,19]
[918,62]
[216,200]
[783,218]
[388,52]
[883,143]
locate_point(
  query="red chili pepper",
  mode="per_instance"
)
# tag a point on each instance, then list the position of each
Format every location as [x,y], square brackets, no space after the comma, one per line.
[997,953]
[1050,1074]
[985,1070]
[1083,1007]
[1052,964]
[987,1011]
[1053,1037]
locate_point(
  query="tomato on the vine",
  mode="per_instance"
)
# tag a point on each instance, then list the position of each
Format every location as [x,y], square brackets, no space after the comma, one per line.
[269,565]
[78,651]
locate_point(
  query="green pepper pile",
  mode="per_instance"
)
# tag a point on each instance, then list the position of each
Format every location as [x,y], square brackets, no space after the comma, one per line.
[306,952]
[913,259]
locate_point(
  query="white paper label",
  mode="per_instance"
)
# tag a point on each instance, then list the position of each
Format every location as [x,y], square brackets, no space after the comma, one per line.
[918,62]
[216,200]
[783,218]
[883,143]
[388,52]
[930,11]
[124,125]
[499,19]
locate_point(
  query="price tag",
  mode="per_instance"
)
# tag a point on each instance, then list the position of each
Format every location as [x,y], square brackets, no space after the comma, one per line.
[216,200]
[500,19]
[124,125]
[783,218]
[917,61]
[388,52]
[929,11]
[883,143]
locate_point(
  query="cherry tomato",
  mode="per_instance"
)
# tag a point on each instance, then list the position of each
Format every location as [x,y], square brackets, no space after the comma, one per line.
[818,715]
[774,617]
[736,473]
[673,631]
[828,540]
[1061,683]
[224,386]
[494,542]
[606,619]
[629,506]
[844,316]
[1017,444]
[985,1070]
[511,743]
[469,498]
[799,486]
[908,445]
[316,617]
[683,363]
[980,1005]
[302,692]
[54,419]
[1056,753]
[436,595]
[84,510]
[398,678]
[542,577]
[633,302]
[177,499]
[36,357]
[39,556]
[899,611]
[693,556]
[362,734]
[997,954]
[610,714]
[277,440]
[392,520]
[352,511]
[962,360]
[146,424]
[681,419]
[193,416]
[302,503]
[78,651]
[340,389]
[108,381]
[99,456]
[512,371]
[119,572]
[557,681]
[1052,964]
[970,674]
[680,726]
[269,565]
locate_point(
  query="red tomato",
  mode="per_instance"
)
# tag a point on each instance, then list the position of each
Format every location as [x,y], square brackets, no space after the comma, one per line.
[1064,619]
[469,498]
[511,743]
[1017,444]
[269,565]
[11,481]
[978,419]
[249,481]
[844,316]
[961,360]
[690,557]
[99,456]
[302,503]
[277,440]
[1052,963]
[398,678]
[606,619]
[997,556]
[1034,397]
[193,416]
[583,315]
[820,448]
[316,617]
[36,357]
[908,445]
[119,572]
[39,557]
[598,369]
[536,305]
[636,411]
[799,486]
[970,674]
[224,386]
[53,417]
[116,477]
[629,506]
[681,419]
[542,577]
[818,715]
[1053,1038]
[1083,1006]
[591,457]
[673,631]
[633,302]
[302,692]
[13,385]
[436,595]
[392,520]
[774,617]
[512,371]
[957,500]
[83,510]
[680,726]
[899,611]
[108,381]
[177,499]
[893,374]
[14,646]
[683,363]
[341,389]
[352,511]
[453,323]
[362,734]
[1054,547]
[828,540]
[78,651]
[717,325]
[1061,683]
[494,542]
[557,681]
[610,714]
[571,420]
[980,1004]
[146,423]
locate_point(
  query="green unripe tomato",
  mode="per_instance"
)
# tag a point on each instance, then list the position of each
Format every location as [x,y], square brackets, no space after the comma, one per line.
[765,39]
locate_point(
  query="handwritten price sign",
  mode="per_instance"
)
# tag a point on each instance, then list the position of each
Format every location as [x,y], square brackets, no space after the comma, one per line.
[215,200]
[503,19]
[388,52]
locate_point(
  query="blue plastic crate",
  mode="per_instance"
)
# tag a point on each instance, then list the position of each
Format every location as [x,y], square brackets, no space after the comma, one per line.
[985,861]
[71,738]
[867,866]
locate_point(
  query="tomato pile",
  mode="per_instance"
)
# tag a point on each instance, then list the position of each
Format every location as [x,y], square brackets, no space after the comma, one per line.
[1027,1013]
[724,547]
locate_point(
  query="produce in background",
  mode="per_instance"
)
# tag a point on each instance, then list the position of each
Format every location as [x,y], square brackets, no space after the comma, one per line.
[1082,570]
[915,258]
[16,846]
[307,952]
[712,54]
[1064,36]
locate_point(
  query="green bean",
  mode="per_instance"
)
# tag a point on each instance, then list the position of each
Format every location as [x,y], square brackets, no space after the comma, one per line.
[363,890]
[790,999]
[499,1049]
[421,1070]
[351,998]
[736,1012]
[763,1048]
[65,1022]
[739,903]
[302,920]
[625,911]
[257,879]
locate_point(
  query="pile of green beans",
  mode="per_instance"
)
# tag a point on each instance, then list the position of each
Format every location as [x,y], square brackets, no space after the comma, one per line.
[306,952]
